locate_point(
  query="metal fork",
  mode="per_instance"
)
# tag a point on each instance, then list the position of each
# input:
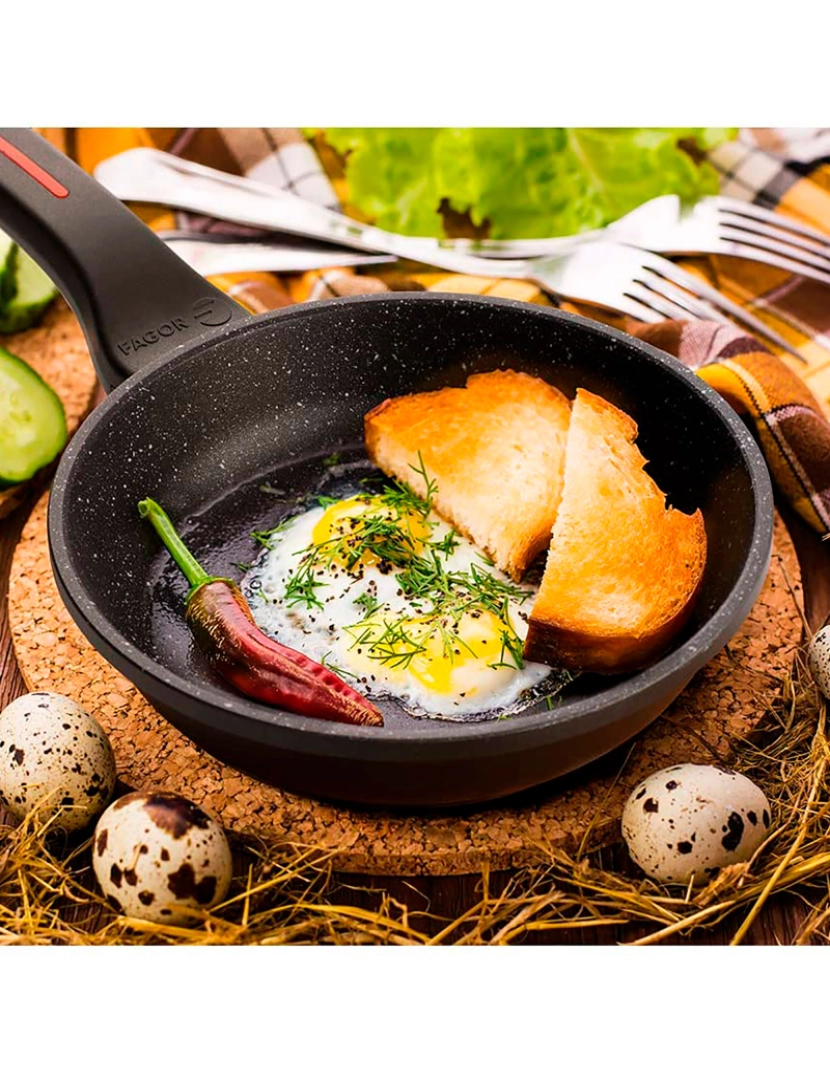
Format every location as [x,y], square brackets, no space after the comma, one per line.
[612,275]
[716,225]
[635,282]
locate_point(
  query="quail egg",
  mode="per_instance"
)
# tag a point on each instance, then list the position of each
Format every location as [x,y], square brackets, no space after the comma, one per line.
[818,657]
[56,757]
[692,820]
[157,856]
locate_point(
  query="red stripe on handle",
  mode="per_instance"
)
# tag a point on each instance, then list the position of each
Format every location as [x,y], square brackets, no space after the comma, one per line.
[17,157]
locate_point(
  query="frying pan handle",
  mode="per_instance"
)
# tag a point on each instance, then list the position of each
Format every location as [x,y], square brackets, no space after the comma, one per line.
[135,299]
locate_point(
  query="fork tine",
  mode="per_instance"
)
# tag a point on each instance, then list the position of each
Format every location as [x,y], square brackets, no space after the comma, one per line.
[701,309]
[703,291]
[775,232]
[683,301]
[770,217]
[630,305]
[761,249]
[661,296]
[673,303]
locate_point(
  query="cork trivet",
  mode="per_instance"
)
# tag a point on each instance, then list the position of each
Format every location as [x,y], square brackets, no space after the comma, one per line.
[723,703]
[57,351]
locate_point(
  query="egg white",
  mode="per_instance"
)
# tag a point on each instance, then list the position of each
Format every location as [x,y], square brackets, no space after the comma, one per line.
[447,683]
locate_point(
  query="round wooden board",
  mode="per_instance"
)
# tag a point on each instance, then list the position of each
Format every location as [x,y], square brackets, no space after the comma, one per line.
[723,704]
[57,351]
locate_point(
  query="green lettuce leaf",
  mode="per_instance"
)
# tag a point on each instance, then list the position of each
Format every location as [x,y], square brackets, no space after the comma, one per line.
[523,182]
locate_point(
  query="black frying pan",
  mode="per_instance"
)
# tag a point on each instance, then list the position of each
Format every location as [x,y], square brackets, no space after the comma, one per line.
[213,411]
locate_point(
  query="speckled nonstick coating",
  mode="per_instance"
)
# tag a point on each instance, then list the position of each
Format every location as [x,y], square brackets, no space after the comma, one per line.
[213,429]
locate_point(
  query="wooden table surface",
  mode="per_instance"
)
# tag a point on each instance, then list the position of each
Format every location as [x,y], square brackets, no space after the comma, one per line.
[452,896]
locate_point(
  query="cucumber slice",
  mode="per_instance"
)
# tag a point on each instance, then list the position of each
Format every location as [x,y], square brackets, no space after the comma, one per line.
[8,266]
[35,292]
[32,421]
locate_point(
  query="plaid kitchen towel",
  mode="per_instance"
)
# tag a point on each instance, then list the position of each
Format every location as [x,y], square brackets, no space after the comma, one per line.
[787,169]
[793,432]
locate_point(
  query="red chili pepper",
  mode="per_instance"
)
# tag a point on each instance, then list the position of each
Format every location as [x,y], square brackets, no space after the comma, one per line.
[224,628]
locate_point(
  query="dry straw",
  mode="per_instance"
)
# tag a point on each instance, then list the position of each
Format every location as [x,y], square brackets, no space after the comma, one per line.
[283,896]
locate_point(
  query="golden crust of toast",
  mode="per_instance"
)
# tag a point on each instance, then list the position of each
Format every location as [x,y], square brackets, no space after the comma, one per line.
[623,570]
[495,449]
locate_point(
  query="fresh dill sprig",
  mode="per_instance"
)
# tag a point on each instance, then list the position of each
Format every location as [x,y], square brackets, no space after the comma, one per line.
[395,646]
[430,485]
[451,641]
[265,537]
[342,673]
[370,604]
[379,534]
[301,587]
[448,545]
[511,645]
[403,499]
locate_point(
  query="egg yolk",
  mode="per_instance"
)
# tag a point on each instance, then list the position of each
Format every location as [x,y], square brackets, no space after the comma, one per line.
[451,663]
[345,530]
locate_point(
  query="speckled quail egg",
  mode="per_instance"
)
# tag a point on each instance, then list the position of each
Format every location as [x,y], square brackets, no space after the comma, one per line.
[157,856]
[692,820]
[54,756]
[818,657]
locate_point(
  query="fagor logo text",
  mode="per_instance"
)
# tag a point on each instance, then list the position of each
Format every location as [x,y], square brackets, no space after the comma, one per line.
[152,337]
[209,311]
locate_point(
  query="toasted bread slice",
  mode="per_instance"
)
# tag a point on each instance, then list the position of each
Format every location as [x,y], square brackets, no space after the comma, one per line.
[496,451]
[623,570]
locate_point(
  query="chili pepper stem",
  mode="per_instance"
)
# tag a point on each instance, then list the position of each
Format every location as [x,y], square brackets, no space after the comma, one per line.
[192,570]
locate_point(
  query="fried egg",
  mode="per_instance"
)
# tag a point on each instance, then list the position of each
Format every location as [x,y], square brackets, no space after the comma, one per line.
[386,594]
